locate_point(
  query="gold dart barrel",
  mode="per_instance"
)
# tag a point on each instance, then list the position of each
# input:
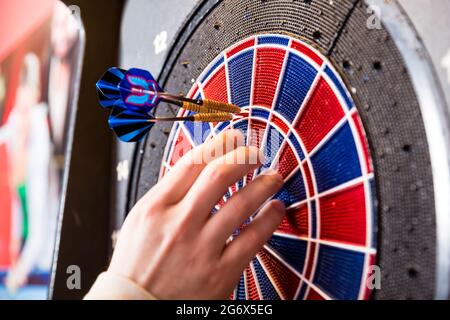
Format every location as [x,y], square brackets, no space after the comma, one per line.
[212,117]
[197,108]
[221,106]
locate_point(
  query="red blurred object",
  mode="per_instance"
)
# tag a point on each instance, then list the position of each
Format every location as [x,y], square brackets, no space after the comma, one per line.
[18,19]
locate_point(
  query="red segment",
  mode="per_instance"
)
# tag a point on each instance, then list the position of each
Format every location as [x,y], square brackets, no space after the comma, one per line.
[308,178]
[280,123]
[311,257]
[295,221]
[288,162]
[216,87]
[182,146]
[313,295]
[285,280]
[363,141]
[221,203]
[321,114]
[252,290]
[240,47]
[257,129]
[249,177]
[269,62]
[307,51]
[343,216]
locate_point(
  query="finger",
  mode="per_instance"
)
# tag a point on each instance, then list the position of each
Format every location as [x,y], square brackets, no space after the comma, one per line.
[214,180]
[176,183]
[241,206]
[241,250]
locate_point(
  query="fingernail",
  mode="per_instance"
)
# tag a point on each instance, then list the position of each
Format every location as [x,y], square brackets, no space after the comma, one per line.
[275,177]
[261,156]
[271,172]
[279,206]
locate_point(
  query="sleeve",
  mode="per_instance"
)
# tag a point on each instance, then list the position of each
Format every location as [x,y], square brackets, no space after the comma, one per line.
[110,286]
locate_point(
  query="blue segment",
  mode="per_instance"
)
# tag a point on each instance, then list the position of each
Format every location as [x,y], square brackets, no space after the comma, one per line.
[297,80]
[274,140]
[337,160]
[293,190]
[293,251]
[313,220]
[339,272]
[283,195]
[238,230]
[211,70]
[240,292]
[297,146]
[296,187]
[273,40]
[339,86]
[267,290]
[198,131]
[190,125]
[222,126]
[240,71]
[301,294]
[260,113]
[243,127]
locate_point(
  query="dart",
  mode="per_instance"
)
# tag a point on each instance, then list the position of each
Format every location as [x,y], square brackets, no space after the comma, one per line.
[132,94]
[132,126]
[137,90]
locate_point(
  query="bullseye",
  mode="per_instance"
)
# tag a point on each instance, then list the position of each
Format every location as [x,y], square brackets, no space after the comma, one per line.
[303,117]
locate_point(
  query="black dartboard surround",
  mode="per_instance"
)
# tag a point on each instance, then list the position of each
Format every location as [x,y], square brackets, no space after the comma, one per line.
[373,68]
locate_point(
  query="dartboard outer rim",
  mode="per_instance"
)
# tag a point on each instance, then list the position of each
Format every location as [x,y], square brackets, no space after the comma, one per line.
[314,58]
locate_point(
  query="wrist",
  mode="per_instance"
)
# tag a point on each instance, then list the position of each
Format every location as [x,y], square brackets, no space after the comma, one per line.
[111,286]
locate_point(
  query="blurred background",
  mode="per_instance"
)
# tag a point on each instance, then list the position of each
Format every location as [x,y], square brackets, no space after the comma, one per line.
[42,47]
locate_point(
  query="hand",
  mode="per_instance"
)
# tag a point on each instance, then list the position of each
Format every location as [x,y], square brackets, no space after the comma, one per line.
[172,246]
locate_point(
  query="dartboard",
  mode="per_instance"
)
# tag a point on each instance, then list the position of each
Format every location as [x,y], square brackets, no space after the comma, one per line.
[302,116]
